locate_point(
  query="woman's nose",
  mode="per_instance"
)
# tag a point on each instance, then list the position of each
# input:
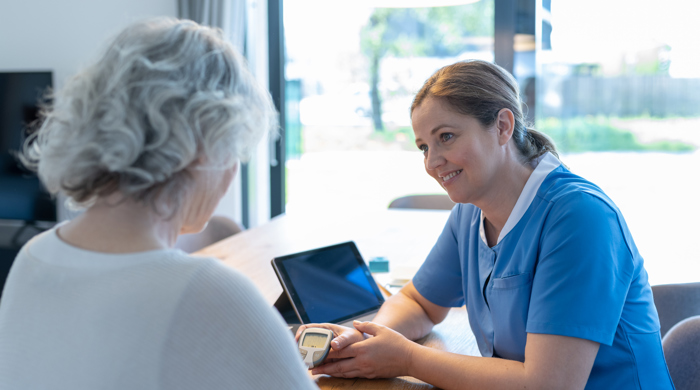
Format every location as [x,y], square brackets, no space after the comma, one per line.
[433,160]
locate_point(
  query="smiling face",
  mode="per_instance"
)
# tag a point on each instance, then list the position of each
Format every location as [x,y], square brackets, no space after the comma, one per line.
[460,153]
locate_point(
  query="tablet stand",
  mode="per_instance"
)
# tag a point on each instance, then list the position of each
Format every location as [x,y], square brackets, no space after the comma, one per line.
[284,306]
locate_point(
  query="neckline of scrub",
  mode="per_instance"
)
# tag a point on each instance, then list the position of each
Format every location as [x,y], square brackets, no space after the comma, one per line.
[543,165]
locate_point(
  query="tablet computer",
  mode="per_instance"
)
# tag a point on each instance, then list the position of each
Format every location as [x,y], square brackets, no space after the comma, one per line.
[329,284]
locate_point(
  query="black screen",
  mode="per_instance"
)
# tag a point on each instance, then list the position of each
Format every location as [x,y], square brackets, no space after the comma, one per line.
[22,196]
[330,284]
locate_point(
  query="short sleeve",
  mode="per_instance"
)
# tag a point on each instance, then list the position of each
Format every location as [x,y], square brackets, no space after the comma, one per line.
[584,271]
[439,279]
[224,335]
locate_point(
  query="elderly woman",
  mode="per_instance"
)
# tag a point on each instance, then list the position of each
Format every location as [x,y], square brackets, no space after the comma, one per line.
[148,139]
[556,291]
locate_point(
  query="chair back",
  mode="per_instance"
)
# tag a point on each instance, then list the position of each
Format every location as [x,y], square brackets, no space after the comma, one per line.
[682,351]
[676,302]
[432,202]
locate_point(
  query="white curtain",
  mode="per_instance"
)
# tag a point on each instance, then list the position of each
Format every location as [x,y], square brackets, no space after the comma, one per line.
[231,17]
[238,26]
[228,15]
[208,12]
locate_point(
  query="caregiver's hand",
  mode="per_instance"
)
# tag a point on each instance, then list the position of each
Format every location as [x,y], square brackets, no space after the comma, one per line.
[384,355]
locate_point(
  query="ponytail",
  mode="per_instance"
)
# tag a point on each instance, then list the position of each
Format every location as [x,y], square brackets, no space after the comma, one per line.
[537,144]
[481,89]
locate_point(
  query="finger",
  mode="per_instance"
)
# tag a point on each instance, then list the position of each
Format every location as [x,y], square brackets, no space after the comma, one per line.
[301,328]
[350,374]
[367,327]
[346,338]
[336,329]
[336,368]
[350,351]
[299,331]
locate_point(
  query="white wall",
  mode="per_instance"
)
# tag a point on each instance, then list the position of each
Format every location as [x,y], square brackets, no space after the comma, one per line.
[65,35]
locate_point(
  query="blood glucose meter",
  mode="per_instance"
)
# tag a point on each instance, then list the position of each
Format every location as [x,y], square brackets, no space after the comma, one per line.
[314,344]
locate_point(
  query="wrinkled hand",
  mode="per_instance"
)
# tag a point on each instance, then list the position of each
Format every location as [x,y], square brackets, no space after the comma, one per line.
[386,354]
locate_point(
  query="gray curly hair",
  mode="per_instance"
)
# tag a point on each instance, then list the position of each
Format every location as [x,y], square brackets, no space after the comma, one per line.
[166,95]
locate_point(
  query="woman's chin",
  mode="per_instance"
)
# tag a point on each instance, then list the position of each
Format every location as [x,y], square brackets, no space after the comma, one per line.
[192,229]
[456,198]
[455,193]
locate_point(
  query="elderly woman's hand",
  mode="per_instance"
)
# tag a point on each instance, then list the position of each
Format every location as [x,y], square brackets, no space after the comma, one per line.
[342,337]
[384,354]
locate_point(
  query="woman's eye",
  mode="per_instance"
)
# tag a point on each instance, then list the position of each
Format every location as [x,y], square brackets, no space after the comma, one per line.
[423,148]
[446,136]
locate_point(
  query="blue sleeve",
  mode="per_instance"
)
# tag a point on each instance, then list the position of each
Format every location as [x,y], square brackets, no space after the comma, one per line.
[439,279]
[583,273]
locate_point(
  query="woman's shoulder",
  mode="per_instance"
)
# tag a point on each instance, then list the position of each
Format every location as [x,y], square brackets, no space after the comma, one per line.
[210,282]
[224,318]
[207,273]
[571,200]
[564,188]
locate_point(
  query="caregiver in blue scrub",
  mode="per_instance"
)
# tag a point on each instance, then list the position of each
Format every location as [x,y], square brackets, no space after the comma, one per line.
[556,291]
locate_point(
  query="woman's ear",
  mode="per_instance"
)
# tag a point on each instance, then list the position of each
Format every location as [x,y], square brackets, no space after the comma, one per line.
[505,124]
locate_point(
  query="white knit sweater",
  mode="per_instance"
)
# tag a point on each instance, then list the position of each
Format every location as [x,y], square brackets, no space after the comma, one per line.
[75,319]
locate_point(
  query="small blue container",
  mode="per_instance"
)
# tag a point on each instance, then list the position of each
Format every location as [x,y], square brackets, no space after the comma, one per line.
[378,265]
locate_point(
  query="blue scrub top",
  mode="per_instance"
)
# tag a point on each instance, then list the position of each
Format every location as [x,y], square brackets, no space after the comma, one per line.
[568,267]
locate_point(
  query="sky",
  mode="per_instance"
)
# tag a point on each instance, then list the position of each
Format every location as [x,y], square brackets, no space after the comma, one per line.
[604,30]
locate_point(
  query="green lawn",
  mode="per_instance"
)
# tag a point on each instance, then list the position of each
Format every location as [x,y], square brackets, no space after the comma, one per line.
[597,134]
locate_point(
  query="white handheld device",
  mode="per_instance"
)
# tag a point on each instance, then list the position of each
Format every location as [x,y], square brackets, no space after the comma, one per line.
[314,344]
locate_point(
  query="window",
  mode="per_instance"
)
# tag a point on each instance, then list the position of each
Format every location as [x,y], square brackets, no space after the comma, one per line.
[351,73]
[619,91]
[615,84]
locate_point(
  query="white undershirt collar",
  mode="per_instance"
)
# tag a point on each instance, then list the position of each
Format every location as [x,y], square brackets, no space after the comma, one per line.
[543,166]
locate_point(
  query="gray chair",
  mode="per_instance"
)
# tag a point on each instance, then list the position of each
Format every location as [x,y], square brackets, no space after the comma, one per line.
[218,228]
[433,202]
[682,350]
[676,302]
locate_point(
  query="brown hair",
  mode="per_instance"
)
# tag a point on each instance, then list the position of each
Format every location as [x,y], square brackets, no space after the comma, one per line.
[481,89]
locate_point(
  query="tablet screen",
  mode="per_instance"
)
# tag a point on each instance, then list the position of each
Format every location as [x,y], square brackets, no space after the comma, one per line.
[330,284]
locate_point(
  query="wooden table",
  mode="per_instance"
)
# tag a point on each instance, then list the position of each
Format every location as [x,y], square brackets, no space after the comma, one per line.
[403,236]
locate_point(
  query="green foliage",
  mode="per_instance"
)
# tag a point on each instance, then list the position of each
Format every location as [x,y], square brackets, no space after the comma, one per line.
[403,135]
[596,134]
[650,68]
[654,62]
[434,31]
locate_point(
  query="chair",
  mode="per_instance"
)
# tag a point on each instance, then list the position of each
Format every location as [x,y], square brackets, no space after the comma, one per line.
[676,302]
[682,350]
[433,202]
[218,228]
